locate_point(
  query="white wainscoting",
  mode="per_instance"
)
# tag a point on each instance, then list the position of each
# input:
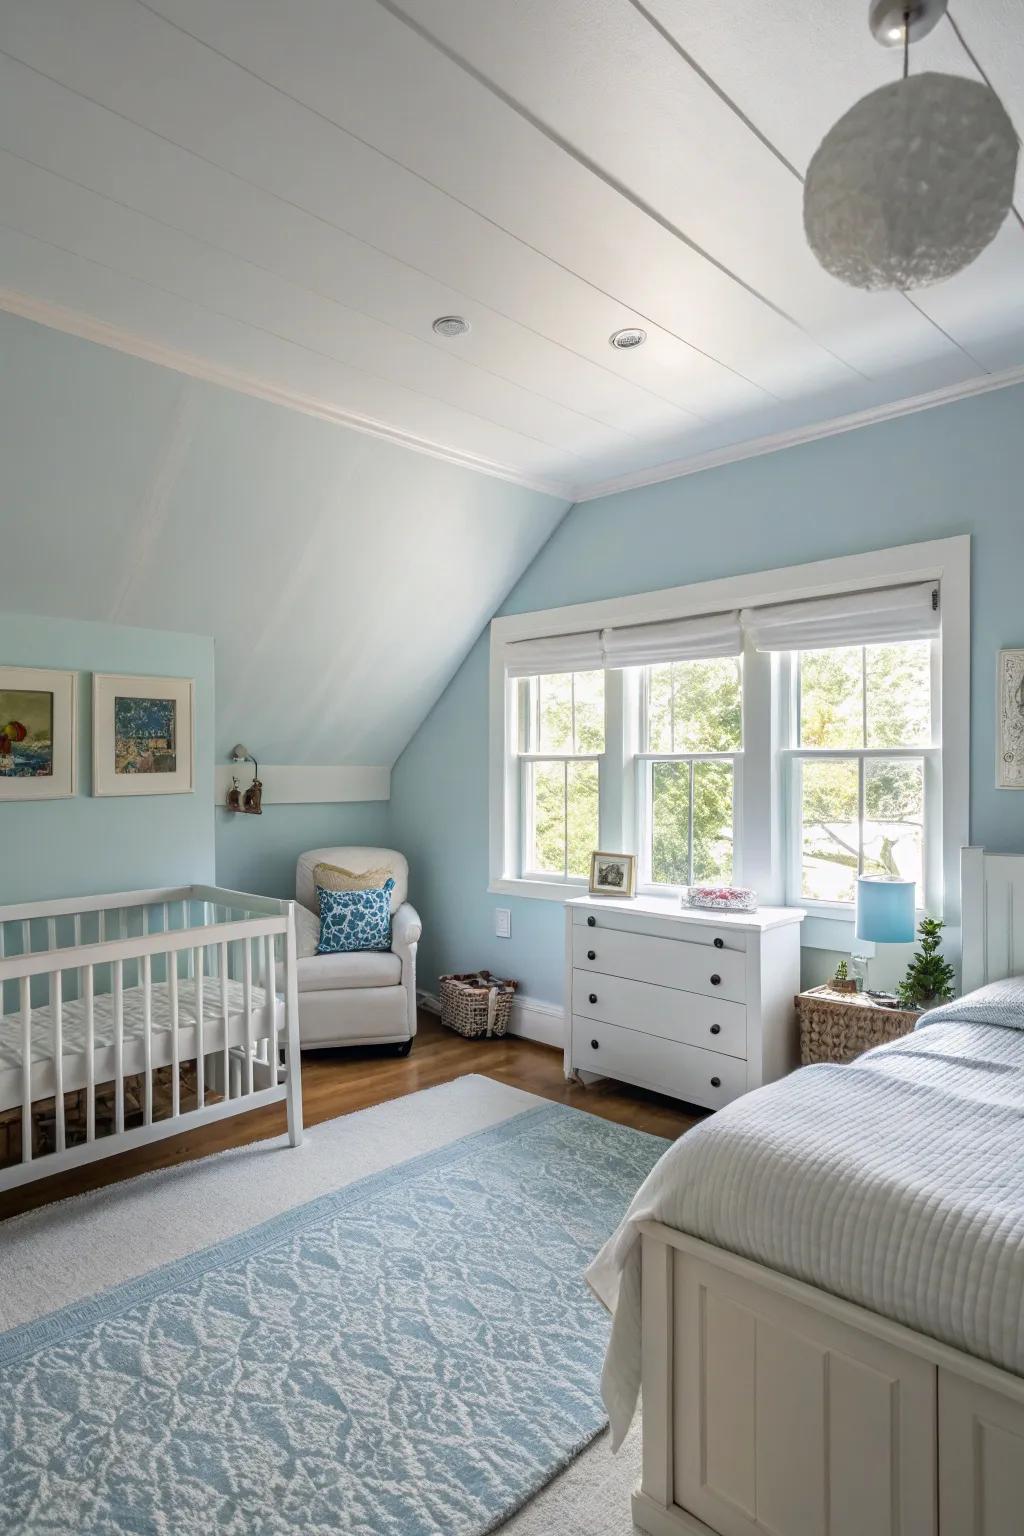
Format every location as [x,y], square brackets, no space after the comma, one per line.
[304,784]
[531,1019]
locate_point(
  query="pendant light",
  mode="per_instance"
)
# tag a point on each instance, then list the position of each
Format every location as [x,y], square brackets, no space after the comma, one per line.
[915,180]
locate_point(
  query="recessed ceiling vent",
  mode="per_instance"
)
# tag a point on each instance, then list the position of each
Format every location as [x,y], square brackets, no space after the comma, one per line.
[451,325]
[633,336]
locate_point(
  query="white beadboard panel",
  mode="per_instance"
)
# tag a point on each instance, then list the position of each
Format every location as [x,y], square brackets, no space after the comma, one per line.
[80,284]
[125,56]
[623,81]
[366,70]
[306,784]
[62,132]
[136,246]
[288,192]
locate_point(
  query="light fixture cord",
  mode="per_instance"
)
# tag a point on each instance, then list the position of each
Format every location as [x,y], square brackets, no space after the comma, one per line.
[906,44]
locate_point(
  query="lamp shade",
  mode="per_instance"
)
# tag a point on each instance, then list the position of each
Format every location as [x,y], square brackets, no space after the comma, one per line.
[885,910]
[912,183]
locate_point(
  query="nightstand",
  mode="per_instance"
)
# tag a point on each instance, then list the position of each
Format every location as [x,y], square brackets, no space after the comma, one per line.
[838,1026]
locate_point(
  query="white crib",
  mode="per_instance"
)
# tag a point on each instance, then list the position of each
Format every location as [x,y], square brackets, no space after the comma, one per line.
[99,991]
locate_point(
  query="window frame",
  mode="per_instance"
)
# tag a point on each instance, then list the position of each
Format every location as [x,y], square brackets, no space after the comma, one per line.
[528,713]
[644,794]
[763,815]
[928,753]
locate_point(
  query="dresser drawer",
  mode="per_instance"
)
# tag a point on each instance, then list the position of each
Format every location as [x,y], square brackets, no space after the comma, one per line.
[686,1017]
[681,1071]
[673,923]
[666,962]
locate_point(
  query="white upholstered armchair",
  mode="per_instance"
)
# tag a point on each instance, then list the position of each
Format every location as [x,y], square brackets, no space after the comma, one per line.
[365,998]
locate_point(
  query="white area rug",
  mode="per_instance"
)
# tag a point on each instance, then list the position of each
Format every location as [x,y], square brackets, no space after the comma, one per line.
[63,1253]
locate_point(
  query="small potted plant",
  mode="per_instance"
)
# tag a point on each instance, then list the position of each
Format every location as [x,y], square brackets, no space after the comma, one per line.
[842,981]
[929,978]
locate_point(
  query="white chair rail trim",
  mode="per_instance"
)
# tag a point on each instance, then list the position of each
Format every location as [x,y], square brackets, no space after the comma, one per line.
[307,784]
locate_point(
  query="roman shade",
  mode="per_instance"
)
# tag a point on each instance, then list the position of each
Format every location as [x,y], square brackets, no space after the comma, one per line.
[880,616]
[555,653]
[692,639]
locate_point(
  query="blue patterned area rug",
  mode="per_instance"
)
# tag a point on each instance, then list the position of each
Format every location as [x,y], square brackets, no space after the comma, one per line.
[414,1355]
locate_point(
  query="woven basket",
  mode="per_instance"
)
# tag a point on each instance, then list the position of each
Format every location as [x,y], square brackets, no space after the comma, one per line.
[477,1004]
[835,1026]
[44,1111]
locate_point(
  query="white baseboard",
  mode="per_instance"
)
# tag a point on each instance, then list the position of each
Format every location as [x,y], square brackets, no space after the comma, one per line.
[531,1019]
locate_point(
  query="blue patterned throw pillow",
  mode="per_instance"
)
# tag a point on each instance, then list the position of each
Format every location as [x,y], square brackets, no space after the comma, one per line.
[351,920]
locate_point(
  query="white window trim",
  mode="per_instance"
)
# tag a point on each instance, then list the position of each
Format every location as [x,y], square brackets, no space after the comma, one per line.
[761,834]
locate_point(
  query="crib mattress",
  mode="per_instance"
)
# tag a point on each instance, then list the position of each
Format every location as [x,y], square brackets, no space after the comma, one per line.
[73,1029]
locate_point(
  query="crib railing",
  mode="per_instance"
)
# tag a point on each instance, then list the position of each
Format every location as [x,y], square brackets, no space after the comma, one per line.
[83,954]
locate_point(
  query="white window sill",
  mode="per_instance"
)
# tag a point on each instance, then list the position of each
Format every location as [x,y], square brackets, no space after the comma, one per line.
[823,928]
[538,890]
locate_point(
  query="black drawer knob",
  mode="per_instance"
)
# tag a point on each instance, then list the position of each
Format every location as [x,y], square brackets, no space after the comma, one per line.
[716,1029]
[719,943]
[716,980]
[591,954]
[591,922]
[716,1082]
[593,997]
[593,1045]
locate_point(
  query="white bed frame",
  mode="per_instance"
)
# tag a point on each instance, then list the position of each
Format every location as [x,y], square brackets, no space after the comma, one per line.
[90,951]
[771,1408]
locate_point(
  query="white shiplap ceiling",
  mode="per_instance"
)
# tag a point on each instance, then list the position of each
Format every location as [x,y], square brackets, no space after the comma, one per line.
[283,194]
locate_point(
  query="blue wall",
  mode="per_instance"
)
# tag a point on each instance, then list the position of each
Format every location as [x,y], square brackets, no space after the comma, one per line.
[84,845]
[958,469]
[260,855]
[342,577]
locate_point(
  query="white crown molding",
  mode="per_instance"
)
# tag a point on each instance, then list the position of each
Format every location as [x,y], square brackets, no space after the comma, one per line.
[677,469]
[57,318]
[531,1019]
[305,784]
[73,323]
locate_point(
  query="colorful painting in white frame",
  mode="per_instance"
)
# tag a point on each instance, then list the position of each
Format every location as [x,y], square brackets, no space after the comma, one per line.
[1010,720]
[143,735]
[38,727]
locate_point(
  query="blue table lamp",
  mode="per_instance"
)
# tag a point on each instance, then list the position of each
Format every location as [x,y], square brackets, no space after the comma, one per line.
[885,914]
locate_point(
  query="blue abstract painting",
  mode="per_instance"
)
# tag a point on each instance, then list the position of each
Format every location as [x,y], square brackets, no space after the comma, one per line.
[145,733]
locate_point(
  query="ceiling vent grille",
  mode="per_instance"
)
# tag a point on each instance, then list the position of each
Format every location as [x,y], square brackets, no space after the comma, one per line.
[633,336]
[451,325]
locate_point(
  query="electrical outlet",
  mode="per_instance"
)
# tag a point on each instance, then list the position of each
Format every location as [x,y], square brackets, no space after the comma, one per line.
[502,922]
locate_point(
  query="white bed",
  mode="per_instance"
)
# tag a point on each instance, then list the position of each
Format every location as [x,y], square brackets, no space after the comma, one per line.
[829,1314]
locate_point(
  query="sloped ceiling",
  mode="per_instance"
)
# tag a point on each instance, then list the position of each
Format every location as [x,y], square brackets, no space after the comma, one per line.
[285,193]
[343,578]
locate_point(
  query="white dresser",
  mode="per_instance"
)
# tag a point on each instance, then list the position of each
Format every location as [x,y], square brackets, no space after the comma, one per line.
[697,1005]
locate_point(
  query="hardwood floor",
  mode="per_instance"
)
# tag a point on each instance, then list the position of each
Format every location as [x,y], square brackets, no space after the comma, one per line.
[339,1082]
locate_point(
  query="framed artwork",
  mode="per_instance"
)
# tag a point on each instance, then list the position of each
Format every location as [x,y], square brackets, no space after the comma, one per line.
[1010,721]
[38,725]
[143,735]
[612,874]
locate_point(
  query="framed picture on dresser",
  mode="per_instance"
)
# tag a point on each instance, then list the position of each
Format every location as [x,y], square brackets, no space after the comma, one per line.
[612,874]
[38,725]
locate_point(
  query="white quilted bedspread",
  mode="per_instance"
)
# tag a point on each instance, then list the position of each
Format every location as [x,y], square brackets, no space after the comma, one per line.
[896,1182]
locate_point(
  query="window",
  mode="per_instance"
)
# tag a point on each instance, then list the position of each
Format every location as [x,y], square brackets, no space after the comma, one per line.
[865,767]
[562,733]
[782,730]
[691,734]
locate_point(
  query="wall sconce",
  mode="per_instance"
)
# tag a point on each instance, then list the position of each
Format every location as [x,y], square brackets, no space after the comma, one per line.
[251,803]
